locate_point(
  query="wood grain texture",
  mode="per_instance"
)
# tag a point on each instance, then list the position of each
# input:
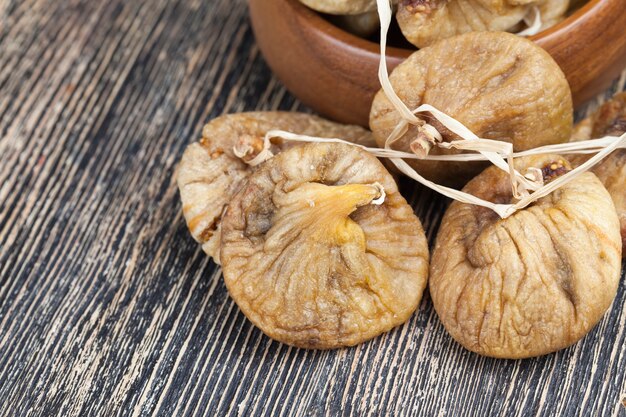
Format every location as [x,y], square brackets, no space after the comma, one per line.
[108,307]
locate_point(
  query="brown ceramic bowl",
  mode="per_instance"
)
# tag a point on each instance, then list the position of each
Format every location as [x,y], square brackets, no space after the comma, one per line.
[335,72]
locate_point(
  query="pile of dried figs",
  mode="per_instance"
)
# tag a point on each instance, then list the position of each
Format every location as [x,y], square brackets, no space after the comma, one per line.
[424,22]
[320,250]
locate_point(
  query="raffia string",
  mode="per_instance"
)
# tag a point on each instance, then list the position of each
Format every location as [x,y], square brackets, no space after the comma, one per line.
[533,21]
[380,199]
[492,150]
[521,184]
[526,188]
[580,148]
[242,151]
[607,145]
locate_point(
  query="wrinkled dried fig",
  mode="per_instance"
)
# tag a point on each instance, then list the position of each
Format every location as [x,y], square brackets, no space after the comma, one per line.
[609,120]
[535,282]
[552,12]
[499,85]
[311,260]
[341,7]
[424,22]
[363,24]
[210,173]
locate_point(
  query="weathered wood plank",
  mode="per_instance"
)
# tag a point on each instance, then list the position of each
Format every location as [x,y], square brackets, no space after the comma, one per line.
[107,306]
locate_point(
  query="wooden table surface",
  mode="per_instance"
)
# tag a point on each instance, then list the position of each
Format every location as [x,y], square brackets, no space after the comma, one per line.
[108,307]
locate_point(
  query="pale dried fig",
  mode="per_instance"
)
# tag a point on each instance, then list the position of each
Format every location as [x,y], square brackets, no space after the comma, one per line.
[311,260]
[499,85]
[341,7]
[552,12]
[424,22]
[535,282]
[210,173]
[363,24]
[609,120]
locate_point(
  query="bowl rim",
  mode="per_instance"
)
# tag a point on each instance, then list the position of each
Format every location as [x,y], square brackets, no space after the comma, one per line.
[354,41]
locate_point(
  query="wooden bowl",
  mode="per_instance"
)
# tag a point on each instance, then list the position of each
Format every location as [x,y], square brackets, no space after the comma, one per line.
[335,72]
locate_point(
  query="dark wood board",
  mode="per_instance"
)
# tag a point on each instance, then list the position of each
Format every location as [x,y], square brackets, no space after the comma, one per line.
[108,307]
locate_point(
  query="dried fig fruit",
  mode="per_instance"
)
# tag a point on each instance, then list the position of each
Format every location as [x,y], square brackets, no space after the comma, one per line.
[311,260]
[609,120]
[424,22]
[363,24]
[341,7]
[535,282]
[210,173]
[612,173]
[552,12]
[499,85]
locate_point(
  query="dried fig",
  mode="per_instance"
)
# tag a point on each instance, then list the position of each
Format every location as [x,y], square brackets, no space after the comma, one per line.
[535,282]
[609,120]
[341,7]
[499,85]
[311,260]
[423,22]
[210,173]
[552,12]
[363,25]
